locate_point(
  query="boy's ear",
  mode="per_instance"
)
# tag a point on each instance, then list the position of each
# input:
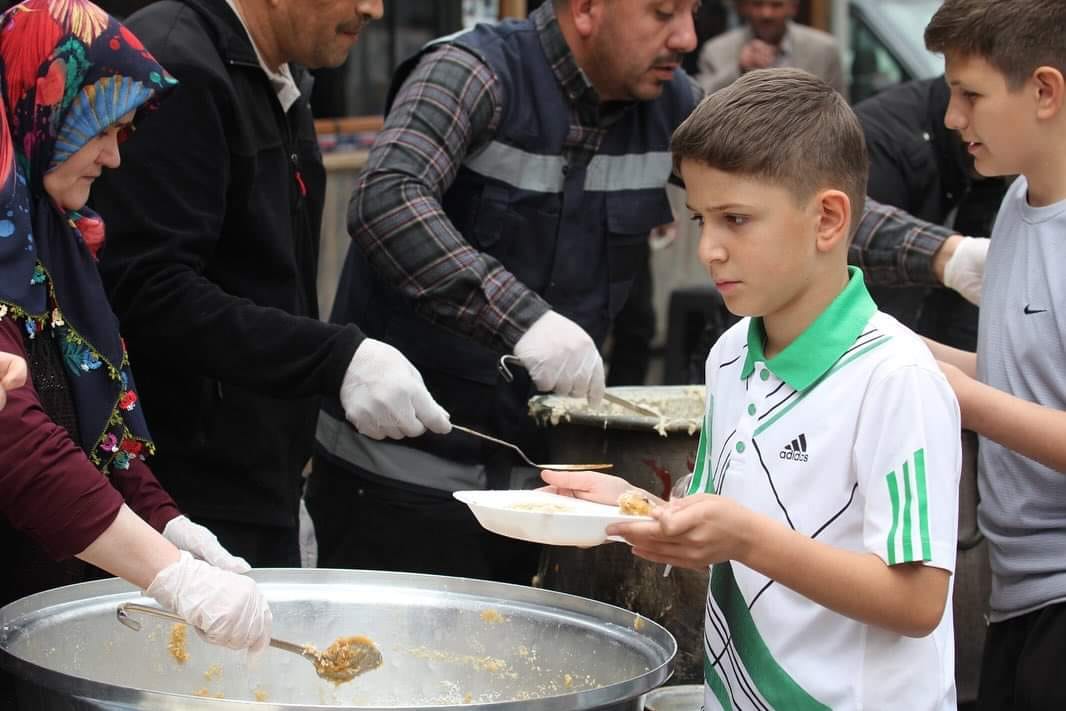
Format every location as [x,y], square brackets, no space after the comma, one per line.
[834,219]
[1051,92]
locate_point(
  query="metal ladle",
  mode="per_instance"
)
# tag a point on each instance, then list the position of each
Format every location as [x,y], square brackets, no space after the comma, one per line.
[530,462]
[337,664]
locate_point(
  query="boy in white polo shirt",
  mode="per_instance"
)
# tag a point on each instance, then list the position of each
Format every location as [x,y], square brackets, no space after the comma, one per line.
[1005,64]
[826,485]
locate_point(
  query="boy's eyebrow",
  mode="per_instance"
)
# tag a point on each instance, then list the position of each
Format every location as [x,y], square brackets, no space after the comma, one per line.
[722,207]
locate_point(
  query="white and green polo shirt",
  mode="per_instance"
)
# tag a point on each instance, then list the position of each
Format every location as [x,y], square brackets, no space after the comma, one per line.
[850,436]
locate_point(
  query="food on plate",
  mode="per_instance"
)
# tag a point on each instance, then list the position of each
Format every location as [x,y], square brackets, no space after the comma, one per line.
[635,503]
[542,507]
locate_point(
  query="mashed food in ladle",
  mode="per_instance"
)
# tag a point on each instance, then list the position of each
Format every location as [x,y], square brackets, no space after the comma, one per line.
[346,658]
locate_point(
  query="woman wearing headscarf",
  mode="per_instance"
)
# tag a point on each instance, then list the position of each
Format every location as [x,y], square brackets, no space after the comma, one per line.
[74,487]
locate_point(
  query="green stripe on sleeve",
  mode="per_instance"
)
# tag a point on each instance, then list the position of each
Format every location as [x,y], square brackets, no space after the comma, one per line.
[717,686]
[702,477]
[923,504]
[774,683]
[908,547]
[893,496]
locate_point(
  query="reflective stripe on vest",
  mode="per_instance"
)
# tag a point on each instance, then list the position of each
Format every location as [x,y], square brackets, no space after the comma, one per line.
[544,173]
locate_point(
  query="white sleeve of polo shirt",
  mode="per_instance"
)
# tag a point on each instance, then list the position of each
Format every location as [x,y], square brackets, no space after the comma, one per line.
[908,456]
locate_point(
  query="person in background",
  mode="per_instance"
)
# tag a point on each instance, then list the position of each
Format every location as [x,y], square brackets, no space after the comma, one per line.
[769,39]
[12,375]
[505,209]
[211,267]
[825,491]
[1006,67]
[74,486]
[920,166]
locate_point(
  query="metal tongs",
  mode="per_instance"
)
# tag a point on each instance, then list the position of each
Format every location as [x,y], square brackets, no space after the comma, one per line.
[326,665]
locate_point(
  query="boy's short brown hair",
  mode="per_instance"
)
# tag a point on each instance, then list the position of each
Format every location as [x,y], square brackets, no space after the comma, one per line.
[784,125]
[1014,36]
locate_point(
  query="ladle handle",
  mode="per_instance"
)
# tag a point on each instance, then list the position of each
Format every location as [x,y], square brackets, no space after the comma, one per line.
[122,613]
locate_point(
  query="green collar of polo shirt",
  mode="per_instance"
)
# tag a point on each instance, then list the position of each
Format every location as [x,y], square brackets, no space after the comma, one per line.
[815,351]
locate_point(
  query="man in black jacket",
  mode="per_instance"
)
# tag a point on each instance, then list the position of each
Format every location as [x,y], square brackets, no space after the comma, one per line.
[922,167]
[211,263]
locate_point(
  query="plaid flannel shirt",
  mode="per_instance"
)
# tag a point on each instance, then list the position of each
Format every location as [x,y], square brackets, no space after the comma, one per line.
[450,107]
[894,248]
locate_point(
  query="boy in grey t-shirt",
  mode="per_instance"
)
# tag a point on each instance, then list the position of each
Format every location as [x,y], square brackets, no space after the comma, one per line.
[1006,62]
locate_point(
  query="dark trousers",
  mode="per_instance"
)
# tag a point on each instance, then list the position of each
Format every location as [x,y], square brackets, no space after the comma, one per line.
[363,522]
[1023,662]
[261,546]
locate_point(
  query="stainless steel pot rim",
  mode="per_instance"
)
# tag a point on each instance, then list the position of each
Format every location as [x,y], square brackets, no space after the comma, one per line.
[117,591]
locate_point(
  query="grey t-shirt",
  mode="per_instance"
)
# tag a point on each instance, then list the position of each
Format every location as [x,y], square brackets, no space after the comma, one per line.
[1021,349]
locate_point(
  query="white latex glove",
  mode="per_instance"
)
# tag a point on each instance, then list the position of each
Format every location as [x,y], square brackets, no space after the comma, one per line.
[562,358]
[203,544]
[224,607]
[965,270]
[383,395]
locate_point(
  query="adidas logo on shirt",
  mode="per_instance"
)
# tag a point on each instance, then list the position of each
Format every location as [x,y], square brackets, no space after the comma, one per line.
[796,450]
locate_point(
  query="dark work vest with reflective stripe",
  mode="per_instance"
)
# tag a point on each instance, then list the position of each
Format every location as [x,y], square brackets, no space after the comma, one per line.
[571,232]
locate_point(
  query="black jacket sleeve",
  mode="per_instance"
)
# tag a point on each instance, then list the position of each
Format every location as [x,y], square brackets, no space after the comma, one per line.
[168,217]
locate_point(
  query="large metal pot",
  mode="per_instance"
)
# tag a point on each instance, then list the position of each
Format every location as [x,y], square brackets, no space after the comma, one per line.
[445,641]
[653,455]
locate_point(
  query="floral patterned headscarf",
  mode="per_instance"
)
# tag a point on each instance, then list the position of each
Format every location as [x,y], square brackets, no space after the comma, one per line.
[69,71]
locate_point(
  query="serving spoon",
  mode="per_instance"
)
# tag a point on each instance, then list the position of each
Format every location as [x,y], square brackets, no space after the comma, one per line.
[342,661]
[530,462]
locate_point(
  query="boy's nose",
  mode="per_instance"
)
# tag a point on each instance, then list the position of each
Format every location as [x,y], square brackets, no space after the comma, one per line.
[710,250]
[954,118]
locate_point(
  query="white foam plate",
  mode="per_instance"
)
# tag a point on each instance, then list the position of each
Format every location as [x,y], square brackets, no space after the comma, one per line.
[541,517]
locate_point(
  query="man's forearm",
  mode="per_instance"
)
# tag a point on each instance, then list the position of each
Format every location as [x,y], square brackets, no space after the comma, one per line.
[894,248]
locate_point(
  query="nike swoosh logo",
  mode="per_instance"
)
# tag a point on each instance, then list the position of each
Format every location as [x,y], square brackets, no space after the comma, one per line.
[1028,311]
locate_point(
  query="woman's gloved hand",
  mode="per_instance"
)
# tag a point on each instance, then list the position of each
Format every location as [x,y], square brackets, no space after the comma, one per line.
[224,607]
[192,537]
